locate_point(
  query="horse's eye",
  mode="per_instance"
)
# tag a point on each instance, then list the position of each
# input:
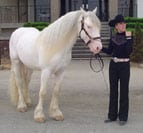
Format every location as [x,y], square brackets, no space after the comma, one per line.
[89,27]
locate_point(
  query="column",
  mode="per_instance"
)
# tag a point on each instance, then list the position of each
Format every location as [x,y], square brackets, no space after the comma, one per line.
[31,11]
[55,9]
[113,8]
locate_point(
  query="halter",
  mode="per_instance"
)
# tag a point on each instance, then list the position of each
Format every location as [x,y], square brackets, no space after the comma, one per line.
[83,29]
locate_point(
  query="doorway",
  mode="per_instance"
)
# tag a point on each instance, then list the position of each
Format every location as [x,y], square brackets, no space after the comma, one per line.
[71,5]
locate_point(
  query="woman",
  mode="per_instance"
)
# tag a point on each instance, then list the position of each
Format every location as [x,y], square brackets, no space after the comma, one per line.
[120,48]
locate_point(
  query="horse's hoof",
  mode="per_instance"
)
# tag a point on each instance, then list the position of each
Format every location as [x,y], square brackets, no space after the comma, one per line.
[40,120]
[29,104]
[24,109]
[56,115]
[59,118]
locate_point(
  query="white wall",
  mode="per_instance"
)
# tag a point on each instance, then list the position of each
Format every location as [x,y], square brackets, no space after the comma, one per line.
[140,8]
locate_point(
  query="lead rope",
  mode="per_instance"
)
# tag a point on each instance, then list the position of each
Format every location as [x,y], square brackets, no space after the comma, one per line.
[93,59]
[105,81]
[96,57]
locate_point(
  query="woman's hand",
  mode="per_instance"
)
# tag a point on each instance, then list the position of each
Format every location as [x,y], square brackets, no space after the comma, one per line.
[128,33]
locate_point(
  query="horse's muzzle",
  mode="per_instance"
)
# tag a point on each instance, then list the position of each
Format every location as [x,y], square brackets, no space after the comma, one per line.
[95,46]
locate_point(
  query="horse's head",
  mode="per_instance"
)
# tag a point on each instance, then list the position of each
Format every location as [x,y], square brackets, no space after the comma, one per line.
[89,30]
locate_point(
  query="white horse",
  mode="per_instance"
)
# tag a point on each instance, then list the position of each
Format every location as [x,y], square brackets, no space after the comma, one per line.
[50,52]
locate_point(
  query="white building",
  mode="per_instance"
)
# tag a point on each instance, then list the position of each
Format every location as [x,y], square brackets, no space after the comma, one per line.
[139,8]
[15,11]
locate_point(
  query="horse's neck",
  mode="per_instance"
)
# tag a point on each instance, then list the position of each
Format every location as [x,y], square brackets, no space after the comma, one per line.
[62,32]
[60,36]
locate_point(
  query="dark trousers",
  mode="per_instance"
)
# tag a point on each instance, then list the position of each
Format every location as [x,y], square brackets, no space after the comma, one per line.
[119,73]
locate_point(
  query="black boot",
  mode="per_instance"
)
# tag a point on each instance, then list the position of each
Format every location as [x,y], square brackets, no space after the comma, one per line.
[109,121]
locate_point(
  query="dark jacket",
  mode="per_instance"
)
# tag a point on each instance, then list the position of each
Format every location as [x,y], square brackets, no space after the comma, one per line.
[120,46]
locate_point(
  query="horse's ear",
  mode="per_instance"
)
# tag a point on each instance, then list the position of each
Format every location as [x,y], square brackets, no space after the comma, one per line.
[82,10]
[95,10]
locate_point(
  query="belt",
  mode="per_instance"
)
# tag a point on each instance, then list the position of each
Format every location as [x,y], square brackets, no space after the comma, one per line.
[115,59]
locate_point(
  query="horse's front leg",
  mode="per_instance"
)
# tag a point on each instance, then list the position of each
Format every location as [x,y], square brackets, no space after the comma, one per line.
[55,112]
[39,113]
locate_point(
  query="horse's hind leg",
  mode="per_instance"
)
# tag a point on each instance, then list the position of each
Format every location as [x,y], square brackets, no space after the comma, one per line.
[27,72]
[55,112]
[16,66]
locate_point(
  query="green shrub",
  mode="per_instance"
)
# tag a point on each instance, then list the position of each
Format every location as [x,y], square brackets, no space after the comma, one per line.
[135,25]
[137,54]
[133,20]
[38,25]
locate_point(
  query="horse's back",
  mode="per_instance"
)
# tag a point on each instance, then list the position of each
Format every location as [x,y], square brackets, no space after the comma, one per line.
[20,33]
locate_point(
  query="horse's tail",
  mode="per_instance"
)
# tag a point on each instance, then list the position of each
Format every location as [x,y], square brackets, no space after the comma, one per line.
[13,89]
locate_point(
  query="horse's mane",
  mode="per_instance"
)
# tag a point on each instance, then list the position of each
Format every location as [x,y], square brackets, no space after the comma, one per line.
[62,32]
[61,27]
[60,35]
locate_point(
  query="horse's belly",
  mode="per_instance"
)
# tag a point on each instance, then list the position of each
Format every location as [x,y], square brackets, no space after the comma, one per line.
[28,56]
